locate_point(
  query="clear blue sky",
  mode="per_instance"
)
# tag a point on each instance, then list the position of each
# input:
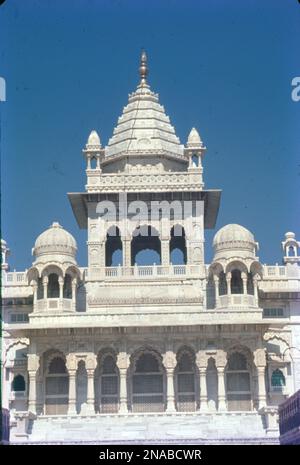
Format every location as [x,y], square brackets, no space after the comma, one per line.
[224,67]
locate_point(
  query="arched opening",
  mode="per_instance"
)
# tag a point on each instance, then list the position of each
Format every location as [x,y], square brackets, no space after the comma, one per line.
[236,282]
[238,386]
[113,247]
[67,290]
[250,286]
[195,160]
[212,384]
[222,283]
[81,386]
[147,384]
[185,382]
[145,247]
[93,163]
[57,388]
[291,251]
[108,385]
[18,384]
[277,380]
[40,289]
[53,286]
[178,246]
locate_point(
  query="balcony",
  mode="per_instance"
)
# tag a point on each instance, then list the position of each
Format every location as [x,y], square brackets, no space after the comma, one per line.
[18,395]
[144,272]
[54,304]
[236,300]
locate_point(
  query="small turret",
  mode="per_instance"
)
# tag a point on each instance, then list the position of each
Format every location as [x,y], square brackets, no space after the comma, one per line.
[291,248]
[194,150]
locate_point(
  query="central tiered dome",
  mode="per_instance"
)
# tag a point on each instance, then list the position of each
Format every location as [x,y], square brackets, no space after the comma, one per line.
[144,126]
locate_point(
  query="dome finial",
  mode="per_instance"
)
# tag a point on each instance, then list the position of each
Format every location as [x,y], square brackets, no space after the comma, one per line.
[143,69]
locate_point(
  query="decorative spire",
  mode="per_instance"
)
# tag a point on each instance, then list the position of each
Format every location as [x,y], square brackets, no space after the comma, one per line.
[143,69]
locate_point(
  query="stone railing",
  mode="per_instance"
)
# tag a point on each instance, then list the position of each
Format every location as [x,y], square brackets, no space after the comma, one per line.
[150,182]
[274,272]
[237,300]
[143,272]
[15,278]
[54,304]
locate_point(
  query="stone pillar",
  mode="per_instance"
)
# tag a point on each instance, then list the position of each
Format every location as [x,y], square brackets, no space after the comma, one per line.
[71,365]
[45,286]
[203,390]
[244,279]
[91,363]
[126,251]
[90,392]
[169,362]
[35,288]
[201,363]
[262,402]
[61,286]
[221,360]
[216,282]
[228,280]
[122,364]
[32,366]
[255,287]
[74,282]
[165,252]
[260,362]
[221,390]
[72,392]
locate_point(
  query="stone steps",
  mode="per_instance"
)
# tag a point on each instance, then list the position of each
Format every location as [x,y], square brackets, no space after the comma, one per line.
[166,428]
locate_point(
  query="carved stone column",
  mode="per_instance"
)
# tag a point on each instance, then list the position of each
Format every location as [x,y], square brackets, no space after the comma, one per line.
[244,279]
[260,362]
[169,362]
[72,392]
[221,390]
[91,363]
[35,288]
[216,282]
[45,286]
[61,287]
[255,287]
[201,362]
[221,360]
[126,251]
[122,364]
[32,366]
[71,365]
[165,251]
[228,280]
[74,284]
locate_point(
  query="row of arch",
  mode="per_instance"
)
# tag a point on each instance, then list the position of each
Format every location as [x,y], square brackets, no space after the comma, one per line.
[145,246]
[147,383]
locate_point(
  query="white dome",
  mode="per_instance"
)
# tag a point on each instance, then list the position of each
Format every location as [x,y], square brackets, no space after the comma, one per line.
[55,241]
[93,141]
[234,237]
[194,139]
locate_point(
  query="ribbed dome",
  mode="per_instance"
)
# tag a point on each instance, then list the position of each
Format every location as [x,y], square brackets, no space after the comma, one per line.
[234,237]
[55,241]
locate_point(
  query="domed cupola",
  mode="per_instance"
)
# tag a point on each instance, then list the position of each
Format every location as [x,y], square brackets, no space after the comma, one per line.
[55,244]
[234,240]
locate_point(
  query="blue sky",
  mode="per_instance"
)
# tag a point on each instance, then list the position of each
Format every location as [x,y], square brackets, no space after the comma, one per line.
[224,67]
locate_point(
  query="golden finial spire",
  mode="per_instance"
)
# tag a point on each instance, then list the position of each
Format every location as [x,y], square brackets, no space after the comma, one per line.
[143,68]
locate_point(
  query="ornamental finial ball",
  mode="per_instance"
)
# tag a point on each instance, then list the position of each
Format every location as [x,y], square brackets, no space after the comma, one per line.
[143,68]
